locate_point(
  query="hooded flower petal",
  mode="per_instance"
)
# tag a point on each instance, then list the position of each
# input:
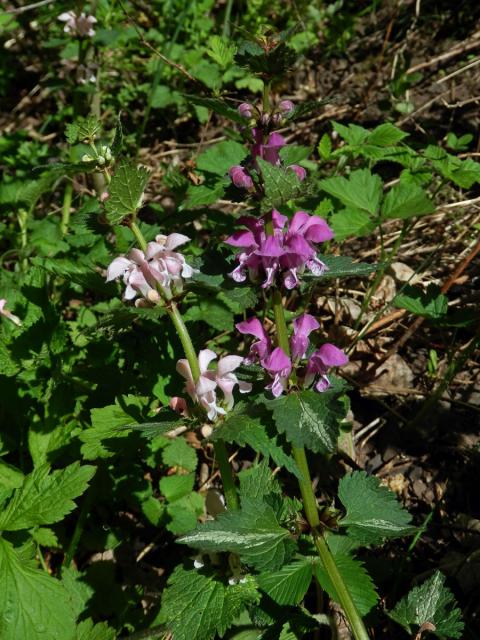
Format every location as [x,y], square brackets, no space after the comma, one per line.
[204,358]
[302,328]
[117,268]
[240,177]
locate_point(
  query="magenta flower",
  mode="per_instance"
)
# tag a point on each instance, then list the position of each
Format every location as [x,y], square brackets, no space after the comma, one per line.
[269,149]
[240,177]
[203,391]
[320,362]
[8,314]
[287,252]
[279,366]
[160,268]
[302,328]
[262,347]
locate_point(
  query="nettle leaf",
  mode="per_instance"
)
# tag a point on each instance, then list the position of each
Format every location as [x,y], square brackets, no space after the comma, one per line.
[305,108]
[217,105]
[431,606]
[33,605]
[406,201]
[386,135]
[253,532]
[342,267]
[288,585]
[258,481]
[45,497]
[356,578]
[281,184]
[126,191]
[219,158]
[247,426]
[196,606]
[293,154]
[221,51]
[373,512]
[362,190]
[309,419]
[430,303]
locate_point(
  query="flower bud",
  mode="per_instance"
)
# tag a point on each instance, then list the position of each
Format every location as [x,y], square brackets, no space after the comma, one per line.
[300,171]
[153,296]
[245,110]
[87,158]
[240,177]
[286,106]
[101,160]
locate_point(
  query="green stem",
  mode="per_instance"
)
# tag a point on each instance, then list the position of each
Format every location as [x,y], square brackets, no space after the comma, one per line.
[139,236]
[281,325]
[66,207]
[188,348]
[226,472]
[226,20]
[309,500]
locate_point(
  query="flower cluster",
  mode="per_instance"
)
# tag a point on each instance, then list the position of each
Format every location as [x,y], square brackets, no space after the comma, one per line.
[266,144]
[204,390]
[288,252]
[78,25]
[158,270]
[279,365]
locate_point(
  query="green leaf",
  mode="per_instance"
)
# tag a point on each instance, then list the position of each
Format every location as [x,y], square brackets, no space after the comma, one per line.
[10,476]
[406,201]
[386,135]
[351,222]
[281,184]
[325,147]
[309,419]
[218,105]
[176,486]
[88,630]
[293,153]
[253,532]
[220,157]
[196,606]
[221,51]
[126,191]
[288,585]
[357,581]
[45,537]
[247,427]
[33,605]
[257,481]
[344,266]
[45,497]
[353,134]
[362,190]
[184,513]
[430,303]
[433,605]
[373,512]
[202,195]
[118,138]
[178,453]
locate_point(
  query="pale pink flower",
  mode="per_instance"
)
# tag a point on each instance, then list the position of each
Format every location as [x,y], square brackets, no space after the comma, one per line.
[8,314]
[78,25]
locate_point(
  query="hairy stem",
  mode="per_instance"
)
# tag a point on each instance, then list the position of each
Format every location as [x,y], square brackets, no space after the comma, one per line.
[139,236]
[182,331]
[66,207]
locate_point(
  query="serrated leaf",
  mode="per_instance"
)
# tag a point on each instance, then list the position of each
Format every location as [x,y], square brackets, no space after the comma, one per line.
[257,481]
[430,303]
[356,578]
[220,157]
[406,201]
[431,603]
[178,453]
[288,585]
[10,476]
[126,191]
[362,190]
[325,147]
[351,222]
[253,532]
[309,419]
[203,195]
[177,486]
[33,605]
[88,630]
[281,184]
[247,427]
[196,606]
[353,134]
[373,512]
[221,51]
[386,135]
[45,537]
[305,108]
[45,497]
[294,153]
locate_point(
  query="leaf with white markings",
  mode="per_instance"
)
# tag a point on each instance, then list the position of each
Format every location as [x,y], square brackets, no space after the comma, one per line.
[430,606]
[373,512]
[289,584]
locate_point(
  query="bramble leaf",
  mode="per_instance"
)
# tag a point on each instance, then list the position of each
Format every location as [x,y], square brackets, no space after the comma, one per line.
[373,512]
[88,630]
[221,51]
[362,190]
[253,532]
[289,584]
[126,191]
[309,419]
[33,605]
[45,497]
[294,153]
[386,135]
[177,453]
[430,303]
[351,222]
[406,201]
[196,606]
[219,158]
[432,604]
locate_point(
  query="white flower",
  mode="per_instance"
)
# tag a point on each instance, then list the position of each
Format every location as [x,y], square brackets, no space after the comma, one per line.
[79,25]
